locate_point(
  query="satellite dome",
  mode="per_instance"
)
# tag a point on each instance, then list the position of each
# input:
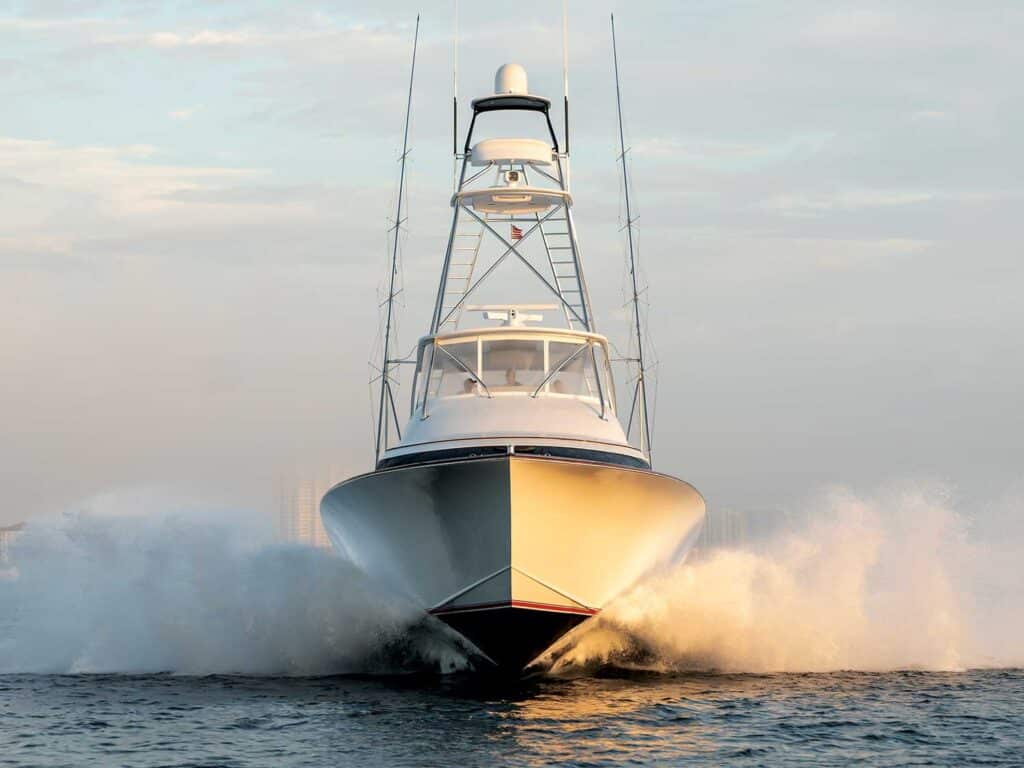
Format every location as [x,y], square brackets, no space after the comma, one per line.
[510,79]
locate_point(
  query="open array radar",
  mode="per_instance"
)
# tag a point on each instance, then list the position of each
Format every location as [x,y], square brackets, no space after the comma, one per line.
[512,504]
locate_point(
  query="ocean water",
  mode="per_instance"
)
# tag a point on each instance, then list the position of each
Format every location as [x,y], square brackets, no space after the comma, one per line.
[877,629]
[609,718]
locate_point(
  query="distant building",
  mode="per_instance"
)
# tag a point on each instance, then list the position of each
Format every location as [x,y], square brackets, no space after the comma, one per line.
[731,528]
[299,497]
[724,528]
[8,535]
[766,524]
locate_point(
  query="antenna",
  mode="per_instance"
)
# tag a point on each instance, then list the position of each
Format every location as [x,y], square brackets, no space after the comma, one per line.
[455,99]
[640,393]
[387,397]
[565,69]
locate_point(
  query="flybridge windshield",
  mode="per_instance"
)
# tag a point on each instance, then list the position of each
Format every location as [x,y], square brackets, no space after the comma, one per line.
[525,365]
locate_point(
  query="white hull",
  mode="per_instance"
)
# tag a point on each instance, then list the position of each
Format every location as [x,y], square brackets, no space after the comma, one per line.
[523,545]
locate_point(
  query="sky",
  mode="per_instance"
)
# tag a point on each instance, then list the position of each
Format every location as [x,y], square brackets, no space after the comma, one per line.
[194,199]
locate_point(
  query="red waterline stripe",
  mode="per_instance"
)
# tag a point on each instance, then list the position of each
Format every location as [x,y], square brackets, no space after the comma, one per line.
[516,604]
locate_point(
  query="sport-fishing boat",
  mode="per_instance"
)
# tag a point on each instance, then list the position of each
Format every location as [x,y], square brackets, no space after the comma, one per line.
[511,505]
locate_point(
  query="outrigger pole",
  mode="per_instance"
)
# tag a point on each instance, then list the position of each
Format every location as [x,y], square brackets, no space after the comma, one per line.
[640,392]
[387,397]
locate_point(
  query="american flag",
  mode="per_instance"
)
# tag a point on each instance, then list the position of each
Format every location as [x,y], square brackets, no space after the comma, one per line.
[517,233]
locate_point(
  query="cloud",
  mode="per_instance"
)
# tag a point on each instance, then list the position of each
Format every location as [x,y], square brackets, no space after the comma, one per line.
[851,200]
[313,41]
[851,254]
[92,191]
[182,114]
[846,200]
[912,27]
[929,114]
[721,154]
[206,38]
[99,207]
[856,25]
[47,24]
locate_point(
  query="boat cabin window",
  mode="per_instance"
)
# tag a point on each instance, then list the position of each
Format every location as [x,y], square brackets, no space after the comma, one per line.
[498,365]
[453,370]
[511,365]
[573,368]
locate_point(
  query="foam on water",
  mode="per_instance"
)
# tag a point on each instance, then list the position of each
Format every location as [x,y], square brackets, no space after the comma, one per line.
[189,594]
[896,580]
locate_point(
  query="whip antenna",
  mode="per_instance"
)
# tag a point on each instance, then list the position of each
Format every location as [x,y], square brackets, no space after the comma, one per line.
[387,397]
[455,99]
[639,405]
[565,70]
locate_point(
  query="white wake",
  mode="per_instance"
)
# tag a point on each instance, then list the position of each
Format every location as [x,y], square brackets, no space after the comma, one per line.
[896,580]
[192,595]
[899,579]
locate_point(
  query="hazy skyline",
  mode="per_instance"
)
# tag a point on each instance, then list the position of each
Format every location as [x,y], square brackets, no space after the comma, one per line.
[195,196]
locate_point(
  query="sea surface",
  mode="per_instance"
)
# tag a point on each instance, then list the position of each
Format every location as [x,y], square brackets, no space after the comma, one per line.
[609,717]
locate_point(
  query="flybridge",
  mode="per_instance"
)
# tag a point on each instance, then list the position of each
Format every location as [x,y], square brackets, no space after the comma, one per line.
[511,206]
[481,386]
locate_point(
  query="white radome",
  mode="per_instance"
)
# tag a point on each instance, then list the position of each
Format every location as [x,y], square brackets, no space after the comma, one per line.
[510,79]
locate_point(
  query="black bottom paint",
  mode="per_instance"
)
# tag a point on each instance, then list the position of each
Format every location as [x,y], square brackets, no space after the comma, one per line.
[512,637]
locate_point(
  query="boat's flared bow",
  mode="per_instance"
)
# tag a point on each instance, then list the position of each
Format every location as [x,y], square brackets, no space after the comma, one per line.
[512,552]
